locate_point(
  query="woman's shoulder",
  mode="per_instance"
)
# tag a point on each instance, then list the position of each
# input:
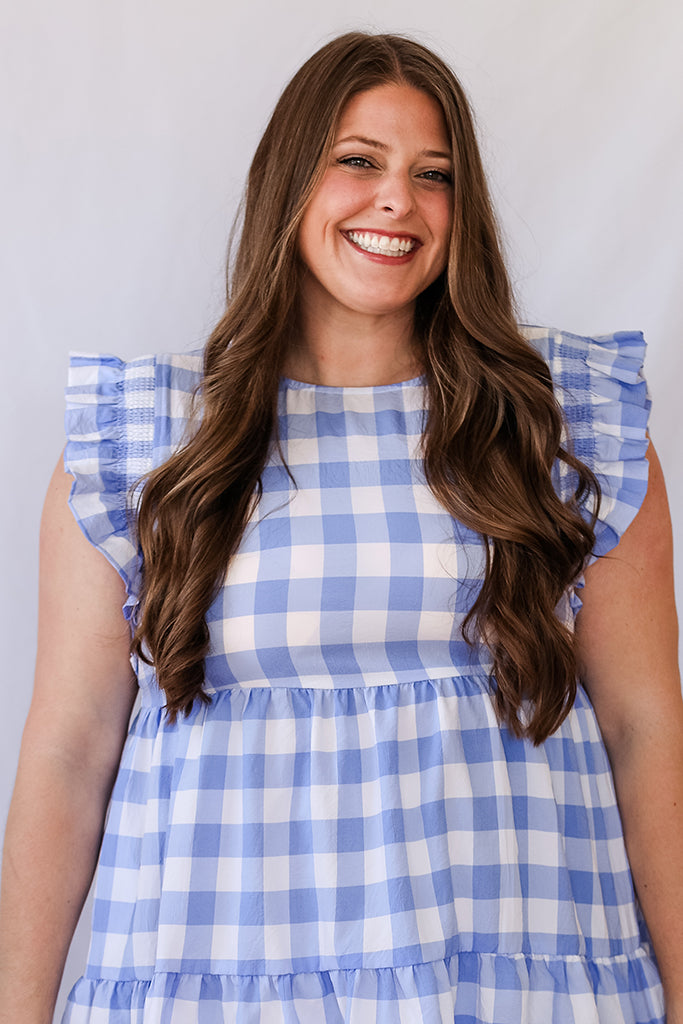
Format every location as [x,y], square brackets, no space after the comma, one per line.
[601,389]
[141,404]
[98,373]
[123,418]
[575,359]
[599,383]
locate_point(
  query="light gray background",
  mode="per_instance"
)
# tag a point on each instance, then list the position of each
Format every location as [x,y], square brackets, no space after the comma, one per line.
[131,125]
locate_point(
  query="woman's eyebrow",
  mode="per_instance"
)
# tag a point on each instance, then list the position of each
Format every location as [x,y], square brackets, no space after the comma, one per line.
[361,138]
[436,153]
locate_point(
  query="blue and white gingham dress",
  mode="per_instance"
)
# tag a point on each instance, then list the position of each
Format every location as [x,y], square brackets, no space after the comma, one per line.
[346,834]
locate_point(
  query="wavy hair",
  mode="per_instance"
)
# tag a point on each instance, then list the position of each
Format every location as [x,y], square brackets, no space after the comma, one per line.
[493,429]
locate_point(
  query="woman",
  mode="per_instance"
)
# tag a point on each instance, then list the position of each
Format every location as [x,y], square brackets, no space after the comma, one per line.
[362,783]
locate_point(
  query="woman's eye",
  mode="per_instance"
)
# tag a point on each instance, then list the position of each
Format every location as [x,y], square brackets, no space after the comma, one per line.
[354,161]
[439,177]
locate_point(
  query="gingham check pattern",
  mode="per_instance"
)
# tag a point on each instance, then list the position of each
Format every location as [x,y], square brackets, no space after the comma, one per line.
[345,833]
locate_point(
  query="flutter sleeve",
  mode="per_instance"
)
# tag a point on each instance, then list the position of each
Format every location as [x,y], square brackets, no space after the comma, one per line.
[110,428]
[600,386]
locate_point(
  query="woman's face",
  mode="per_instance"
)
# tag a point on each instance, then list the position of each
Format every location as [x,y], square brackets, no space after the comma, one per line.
[376,231]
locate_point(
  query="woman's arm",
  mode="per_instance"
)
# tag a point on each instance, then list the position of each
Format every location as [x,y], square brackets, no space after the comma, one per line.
[83,695]
[628,637]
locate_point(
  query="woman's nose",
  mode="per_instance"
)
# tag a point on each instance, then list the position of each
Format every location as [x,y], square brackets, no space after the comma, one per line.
[395,195]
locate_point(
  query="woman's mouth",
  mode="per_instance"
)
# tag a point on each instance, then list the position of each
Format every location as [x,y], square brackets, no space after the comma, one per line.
[382,245]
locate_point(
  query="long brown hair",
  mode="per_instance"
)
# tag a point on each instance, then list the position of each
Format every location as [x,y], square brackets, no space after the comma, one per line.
[493,429]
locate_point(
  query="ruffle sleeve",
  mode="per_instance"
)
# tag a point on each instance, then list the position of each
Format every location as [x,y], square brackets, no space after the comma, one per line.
[110,428]
[600,385]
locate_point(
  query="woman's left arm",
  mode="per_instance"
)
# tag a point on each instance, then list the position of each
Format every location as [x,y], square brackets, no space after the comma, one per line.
[627,638]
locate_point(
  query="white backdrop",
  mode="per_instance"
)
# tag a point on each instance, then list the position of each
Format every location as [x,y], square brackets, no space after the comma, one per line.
[131,125]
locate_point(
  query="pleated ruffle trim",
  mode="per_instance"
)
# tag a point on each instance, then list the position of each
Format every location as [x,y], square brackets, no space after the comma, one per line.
[470,988]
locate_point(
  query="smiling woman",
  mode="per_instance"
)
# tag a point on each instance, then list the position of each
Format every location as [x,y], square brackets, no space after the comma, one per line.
[374,236]
[345,548]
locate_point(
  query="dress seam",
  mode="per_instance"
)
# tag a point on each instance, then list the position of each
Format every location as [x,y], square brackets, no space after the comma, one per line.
[636,953]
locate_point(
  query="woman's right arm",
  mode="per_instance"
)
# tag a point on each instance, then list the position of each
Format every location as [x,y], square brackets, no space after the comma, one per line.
[83,695]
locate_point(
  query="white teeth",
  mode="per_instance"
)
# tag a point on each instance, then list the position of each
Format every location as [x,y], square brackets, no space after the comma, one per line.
[382,244]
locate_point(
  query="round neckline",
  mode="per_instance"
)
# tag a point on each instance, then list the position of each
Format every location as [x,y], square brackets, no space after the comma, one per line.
[300,385]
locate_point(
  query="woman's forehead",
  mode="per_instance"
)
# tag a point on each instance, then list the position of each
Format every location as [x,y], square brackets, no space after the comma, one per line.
[390,109]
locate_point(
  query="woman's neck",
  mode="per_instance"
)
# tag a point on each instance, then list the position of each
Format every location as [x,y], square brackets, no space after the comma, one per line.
[354,350]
